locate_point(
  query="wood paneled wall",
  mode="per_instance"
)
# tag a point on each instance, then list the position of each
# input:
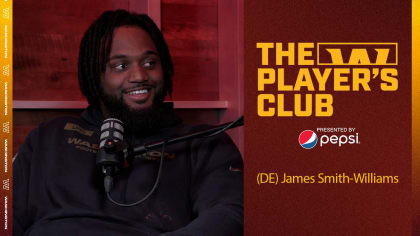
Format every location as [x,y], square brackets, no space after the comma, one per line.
[46,44]
[46,39]
[191,30]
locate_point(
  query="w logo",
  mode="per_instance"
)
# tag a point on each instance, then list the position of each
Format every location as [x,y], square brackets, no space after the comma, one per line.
[6,70]
[6,13]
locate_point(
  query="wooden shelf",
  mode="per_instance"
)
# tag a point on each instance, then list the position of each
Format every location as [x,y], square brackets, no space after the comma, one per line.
[26,104]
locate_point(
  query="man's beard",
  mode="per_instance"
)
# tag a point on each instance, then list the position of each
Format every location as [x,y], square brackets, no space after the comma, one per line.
[137,122]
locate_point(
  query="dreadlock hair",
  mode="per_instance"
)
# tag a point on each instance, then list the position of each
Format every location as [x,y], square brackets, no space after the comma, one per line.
[95,48]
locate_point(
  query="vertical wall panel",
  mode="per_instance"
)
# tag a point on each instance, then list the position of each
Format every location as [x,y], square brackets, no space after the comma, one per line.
[191,29]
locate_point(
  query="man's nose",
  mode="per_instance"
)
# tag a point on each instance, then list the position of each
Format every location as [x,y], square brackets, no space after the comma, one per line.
[138,74]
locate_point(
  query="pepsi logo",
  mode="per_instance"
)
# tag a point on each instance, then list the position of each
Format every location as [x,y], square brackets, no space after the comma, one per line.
[308,139]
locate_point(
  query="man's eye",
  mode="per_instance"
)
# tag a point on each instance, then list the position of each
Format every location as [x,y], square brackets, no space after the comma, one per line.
[149,64]
[119,67]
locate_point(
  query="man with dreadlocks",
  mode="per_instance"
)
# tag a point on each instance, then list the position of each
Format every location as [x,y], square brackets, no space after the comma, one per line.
[125,72]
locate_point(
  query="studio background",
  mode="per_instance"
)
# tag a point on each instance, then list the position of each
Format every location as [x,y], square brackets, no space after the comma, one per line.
[204,38]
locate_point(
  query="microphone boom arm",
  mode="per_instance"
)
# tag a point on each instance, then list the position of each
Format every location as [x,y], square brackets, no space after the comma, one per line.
[202,133]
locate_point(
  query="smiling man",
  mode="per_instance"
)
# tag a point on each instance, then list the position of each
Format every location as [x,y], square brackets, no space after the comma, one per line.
[132,86]
[125,72]
[133,73]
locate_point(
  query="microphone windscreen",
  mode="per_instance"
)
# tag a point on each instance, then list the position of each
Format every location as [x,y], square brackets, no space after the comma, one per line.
[111,129]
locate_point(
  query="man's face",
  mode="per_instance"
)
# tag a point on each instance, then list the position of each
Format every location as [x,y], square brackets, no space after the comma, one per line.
[133,72]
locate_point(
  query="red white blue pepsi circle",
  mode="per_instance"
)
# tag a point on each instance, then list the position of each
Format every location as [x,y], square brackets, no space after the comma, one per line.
[308,139]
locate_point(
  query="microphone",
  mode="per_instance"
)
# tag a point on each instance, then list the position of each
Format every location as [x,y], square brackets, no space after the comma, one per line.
[111,153]
[111,129]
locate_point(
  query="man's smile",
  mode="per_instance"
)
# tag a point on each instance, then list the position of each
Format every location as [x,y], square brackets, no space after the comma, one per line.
[138,95]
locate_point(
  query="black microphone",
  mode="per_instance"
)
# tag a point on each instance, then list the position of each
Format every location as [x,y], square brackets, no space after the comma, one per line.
[111,153]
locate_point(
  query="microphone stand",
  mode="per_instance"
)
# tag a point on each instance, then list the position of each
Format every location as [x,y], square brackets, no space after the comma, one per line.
[111,158]
[199,134]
